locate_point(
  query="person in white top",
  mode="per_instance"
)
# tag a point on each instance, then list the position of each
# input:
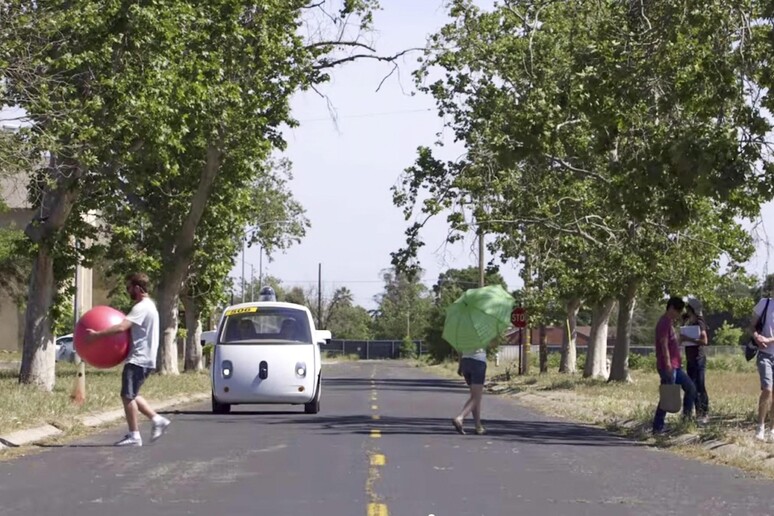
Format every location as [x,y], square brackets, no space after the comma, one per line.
[143,324]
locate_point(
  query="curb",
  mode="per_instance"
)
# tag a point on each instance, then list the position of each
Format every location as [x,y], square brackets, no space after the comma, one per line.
[39,433]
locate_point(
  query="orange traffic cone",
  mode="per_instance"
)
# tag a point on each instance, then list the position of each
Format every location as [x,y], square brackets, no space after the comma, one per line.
[78,396]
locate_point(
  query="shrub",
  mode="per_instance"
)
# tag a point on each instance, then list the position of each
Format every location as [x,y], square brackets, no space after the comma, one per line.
[408,349]
[728,335]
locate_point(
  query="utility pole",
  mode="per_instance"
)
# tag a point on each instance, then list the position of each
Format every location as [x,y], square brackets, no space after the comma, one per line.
[260,270]
[481,280]
[319,296]
[252,283]
[78,394]
[244,247]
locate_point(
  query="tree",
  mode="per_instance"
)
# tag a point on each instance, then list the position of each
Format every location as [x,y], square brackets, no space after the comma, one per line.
[154,104]
[566,104]
[403,308]
[346,320]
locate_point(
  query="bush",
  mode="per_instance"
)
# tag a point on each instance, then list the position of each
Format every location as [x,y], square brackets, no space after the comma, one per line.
[728,335]
[642,361]
[408,349]
[735,363]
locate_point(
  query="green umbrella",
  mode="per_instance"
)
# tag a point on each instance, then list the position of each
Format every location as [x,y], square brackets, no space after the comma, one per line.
[477,317]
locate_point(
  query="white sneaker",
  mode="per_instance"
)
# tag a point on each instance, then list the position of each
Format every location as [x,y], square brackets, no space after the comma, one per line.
[761,435]
[159,428]
[128,440]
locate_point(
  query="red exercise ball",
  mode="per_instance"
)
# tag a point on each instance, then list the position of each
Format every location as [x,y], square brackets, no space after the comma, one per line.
[105,352]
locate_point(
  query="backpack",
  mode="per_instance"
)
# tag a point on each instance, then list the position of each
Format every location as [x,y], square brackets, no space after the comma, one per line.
[751,347]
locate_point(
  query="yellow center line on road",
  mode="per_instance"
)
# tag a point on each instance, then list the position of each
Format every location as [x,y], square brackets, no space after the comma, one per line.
[376,434]
[374,407]
[376,417]
[377,509]
[377,459]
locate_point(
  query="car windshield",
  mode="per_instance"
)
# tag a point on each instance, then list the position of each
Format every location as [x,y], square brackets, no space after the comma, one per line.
[257,325]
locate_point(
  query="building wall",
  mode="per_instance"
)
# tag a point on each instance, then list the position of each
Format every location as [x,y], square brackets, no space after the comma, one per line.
[92,290]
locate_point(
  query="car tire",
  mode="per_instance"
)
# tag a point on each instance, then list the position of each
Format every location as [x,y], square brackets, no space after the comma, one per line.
[220,408]
[313,407]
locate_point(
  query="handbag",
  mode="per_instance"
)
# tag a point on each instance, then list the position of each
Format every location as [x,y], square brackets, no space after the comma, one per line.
[751,347]
[669,397]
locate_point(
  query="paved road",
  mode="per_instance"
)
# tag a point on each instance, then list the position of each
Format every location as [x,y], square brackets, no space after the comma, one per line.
[383,444]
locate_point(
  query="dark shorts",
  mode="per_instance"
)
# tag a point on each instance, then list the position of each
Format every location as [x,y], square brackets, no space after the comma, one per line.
[473,370]
[132,379]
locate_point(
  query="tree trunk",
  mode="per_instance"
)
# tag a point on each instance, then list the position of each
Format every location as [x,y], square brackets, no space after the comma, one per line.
[168,298]
[543,349]
[59,196]
[568,363]
[596,355]
[176,261]
[619,369]
[38,365]
[193,323]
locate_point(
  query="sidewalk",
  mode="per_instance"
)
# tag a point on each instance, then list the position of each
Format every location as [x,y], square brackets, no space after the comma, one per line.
[39,433]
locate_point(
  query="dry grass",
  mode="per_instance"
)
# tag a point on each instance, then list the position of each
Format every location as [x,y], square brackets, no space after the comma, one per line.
[23,407]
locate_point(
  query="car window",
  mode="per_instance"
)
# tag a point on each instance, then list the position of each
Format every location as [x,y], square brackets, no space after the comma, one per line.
[266,324]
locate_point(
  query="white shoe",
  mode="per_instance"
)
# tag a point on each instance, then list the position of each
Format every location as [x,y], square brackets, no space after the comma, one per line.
[761,435]
[128,440]
[159,429]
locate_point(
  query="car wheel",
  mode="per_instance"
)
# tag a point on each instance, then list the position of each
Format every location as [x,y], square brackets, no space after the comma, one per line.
[313,407]
[220,408]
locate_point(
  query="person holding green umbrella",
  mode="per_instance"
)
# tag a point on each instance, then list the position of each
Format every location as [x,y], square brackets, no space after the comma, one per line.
[474,322]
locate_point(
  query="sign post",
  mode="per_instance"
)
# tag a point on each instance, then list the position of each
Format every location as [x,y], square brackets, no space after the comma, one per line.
[519,320]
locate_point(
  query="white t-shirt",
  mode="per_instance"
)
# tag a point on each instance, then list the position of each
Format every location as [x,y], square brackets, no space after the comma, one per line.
[145,334]
[768,324]
[479,354]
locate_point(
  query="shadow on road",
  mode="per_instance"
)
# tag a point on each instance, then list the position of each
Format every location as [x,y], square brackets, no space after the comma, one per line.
[535,432]
[396,384]
[82,445]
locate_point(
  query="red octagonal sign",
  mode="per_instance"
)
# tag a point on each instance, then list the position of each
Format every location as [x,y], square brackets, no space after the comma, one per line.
[519,317]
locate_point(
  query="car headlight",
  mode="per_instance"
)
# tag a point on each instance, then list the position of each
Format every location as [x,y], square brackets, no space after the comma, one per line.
[227,369]
[301,369]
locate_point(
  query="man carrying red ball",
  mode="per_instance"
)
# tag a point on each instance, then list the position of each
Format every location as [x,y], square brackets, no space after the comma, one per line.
[143,324]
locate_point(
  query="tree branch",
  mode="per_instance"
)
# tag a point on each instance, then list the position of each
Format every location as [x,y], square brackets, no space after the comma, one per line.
[326,63]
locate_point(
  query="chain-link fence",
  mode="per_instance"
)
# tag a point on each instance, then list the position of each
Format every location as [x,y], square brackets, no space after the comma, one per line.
[369,349]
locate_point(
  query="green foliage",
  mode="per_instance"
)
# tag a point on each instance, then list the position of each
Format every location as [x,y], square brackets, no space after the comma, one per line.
[731,362]
[728,335]
[346,320]
[592,157]
[407,348]
[642,362]
[403,309]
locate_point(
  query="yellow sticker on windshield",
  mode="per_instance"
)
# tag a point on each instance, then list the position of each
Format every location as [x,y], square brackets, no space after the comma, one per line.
[245,310]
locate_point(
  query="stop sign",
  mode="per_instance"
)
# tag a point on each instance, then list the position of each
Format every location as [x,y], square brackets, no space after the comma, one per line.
[519,317]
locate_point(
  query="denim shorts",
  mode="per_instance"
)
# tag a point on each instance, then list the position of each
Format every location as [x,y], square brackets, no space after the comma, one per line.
[132,378]
[473,370]
[766,370]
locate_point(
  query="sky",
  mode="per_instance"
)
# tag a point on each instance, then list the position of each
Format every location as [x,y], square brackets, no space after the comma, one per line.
[343,171]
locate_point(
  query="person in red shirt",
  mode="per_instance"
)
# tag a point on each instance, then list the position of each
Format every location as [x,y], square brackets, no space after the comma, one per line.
[669,362]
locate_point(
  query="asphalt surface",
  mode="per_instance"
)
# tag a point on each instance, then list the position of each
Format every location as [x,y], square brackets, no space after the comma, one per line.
[382,444]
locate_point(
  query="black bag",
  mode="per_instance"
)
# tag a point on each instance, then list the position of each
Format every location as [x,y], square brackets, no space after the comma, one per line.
[751,347]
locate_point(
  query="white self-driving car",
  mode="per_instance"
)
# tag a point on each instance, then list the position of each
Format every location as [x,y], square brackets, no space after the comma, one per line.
[267,353]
